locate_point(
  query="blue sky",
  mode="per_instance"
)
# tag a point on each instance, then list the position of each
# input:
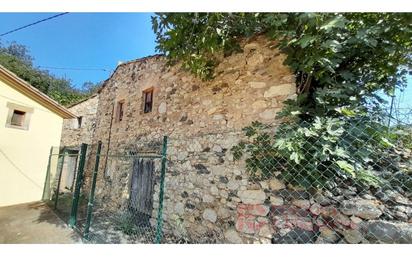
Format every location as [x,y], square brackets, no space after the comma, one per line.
[82,40]
[93,40]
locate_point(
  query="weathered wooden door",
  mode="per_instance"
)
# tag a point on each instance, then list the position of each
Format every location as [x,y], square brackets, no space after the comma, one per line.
[141,195]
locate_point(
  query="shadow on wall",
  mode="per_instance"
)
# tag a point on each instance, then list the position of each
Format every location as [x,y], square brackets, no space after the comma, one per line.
[20,171]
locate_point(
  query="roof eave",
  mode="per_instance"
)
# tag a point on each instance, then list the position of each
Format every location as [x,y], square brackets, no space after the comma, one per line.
[35,94]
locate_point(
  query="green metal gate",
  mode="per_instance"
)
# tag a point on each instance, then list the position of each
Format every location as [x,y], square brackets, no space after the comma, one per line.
[64,174]
[94,207]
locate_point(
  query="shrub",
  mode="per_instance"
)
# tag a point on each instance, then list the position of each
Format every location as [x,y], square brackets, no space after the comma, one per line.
[318,153]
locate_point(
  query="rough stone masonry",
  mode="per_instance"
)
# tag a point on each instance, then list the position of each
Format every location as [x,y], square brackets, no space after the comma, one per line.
[81,129]
[203,120]
[208,196]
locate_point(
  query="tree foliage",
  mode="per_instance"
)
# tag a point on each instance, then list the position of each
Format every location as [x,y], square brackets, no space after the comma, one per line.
[90,88]
[16,58]
[342,63]
[340,60]
[317,154]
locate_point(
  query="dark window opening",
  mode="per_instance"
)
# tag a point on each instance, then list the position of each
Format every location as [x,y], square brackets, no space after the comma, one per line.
[120,110]
[79,121]
[17,119]
[148,100]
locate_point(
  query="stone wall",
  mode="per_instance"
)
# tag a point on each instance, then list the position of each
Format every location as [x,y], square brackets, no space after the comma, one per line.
[203,120]
[208,195]
[72,134]
[272,212]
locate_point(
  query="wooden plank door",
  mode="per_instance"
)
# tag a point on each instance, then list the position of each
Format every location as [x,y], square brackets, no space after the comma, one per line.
[141,195]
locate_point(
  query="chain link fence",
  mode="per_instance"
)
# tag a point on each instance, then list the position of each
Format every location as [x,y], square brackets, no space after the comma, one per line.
[126,194]
[326,181]
[62,176]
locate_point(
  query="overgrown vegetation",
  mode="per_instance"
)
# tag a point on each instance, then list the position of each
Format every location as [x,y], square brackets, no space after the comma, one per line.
[342,64]
[127,224]
[316,154]
[134,224]
[16,58]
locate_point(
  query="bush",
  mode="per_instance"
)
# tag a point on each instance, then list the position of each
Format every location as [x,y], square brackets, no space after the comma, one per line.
[325,152]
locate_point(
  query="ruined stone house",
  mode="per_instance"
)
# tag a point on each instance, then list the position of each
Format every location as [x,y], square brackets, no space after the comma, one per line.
[75,132]
[81,129]
[206,191]
[145,99]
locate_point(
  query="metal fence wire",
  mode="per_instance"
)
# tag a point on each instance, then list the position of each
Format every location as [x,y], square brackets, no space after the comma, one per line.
[132,212]
[62,176]
[328,181]
[325,181]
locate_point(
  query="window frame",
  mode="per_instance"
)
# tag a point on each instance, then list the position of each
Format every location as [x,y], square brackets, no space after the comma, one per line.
[120,109]
[79,122]
[17,118]
[145,93]
[20,108]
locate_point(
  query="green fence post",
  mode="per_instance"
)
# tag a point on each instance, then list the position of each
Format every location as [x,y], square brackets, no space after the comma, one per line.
[56,196]
[91,196]
[159,231]
[79,181]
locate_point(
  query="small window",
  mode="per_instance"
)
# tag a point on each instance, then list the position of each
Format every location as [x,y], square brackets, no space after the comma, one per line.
[17,119]
[79,121]
[148,100]
[120,111]
[19,116]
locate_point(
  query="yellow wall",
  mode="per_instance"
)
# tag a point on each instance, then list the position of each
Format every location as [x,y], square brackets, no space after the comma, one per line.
[24,153]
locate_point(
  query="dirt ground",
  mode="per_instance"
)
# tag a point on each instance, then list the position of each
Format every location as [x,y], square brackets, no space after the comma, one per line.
[34,223]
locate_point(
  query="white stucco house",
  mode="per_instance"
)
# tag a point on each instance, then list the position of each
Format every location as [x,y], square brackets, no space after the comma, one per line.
[30,124]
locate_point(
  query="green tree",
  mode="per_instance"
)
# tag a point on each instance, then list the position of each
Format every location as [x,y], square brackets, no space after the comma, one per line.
[90,88]
[16,58]
[341,61]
